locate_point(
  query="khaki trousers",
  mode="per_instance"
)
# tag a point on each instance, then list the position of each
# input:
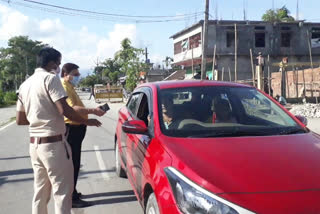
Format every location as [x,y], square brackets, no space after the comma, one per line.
[53,169]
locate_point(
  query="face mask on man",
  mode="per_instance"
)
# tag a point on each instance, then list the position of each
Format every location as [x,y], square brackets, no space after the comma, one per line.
[56,71]
[75,80]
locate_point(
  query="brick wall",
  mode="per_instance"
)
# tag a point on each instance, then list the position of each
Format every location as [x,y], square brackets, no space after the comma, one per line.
[296,81]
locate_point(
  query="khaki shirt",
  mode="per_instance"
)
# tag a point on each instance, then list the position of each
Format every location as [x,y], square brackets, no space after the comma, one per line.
[72,100]
[36,98]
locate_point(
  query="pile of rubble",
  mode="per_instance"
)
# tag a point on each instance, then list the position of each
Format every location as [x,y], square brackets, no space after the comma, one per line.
[306,110]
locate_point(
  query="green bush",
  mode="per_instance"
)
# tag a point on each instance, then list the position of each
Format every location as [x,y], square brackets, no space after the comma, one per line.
[10,97]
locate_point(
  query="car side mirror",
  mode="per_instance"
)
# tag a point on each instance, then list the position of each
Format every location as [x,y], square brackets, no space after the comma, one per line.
[135,127]
[302,119]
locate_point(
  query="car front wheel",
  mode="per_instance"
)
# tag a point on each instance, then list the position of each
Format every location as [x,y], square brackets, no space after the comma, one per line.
[119,170]
[152,205]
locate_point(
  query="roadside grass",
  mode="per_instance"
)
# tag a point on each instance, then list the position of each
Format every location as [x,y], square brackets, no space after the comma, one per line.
[8,98]
[9,121]
[10,103]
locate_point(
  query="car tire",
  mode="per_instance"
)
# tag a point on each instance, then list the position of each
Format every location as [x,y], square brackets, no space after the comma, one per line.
[119,170]
[152,205]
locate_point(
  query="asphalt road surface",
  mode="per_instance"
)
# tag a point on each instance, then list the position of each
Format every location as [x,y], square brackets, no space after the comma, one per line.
[97,181]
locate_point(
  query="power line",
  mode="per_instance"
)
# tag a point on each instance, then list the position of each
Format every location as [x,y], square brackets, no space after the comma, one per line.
[100,16]
[106,14]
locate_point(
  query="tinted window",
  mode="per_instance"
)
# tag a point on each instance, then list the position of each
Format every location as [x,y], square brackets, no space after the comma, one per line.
[285,39]
[260,40]
[143,111]
[220,112]
[133,103]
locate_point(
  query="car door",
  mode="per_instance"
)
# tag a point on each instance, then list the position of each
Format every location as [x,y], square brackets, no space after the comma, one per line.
[138,144]
[126,114]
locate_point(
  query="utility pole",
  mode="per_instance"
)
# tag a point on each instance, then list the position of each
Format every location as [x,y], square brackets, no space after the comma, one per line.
[146,54]
[217,10]
[235,53]
[205,42]
[297,12]
[273,5]
[244,11]
[311,62]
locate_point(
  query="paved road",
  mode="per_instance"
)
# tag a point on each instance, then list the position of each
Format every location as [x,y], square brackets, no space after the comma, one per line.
[6,114]
[97,180]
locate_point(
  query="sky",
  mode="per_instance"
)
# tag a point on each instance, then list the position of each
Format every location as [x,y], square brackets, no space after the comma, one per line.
[84,41]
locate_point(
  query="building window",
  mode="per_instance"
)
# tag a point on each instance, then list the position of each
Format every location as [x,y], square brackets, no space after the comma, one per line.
[195,41]
[260,40]
[185,45]
[315,33]
[230,39]
[285,28]
[285,39]
[177,48]
[315,37]
[259,27]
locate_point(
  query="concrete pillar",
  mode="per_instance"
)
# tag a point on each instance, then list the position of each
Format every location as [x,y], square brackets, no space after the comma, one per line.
[215,74]
[260,77]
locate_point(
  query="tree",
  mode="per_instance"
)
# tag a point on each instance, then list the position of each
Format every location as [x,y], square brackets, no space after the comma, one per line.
[18,61]
[90,80]
[168,60]
[111,69]
[129,59]
[278,15]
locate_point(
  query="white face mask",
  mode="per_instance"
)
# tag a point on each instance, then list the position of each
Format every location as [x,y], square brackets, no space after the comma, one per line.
[57,71]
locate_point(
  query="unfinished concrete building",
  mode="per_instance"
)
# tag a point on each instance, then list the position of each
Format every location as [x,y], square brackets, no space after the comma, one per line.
[294,40]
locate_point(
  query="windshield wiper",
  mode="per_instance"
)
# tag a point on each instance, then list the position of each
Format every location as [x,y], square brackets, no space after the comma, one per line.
[228,134]
[293,131]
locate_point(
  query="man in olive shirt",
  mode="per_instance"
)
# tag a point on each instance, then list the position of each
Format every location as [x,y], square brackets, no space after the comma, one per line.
[42,105]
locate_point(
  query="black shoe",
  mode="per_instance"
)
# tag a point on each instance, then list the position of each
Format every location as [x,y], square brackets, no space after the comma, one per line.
[78,203]
[76,195]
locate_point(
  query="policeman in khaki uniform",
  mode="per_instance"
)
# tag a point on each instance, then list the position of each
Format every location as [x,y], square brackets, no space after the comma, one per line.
[41,105]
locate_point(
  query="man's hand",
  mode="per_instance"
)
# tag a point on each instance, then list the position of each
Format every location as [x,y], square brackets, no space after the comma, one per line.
[97,111]
[93,122]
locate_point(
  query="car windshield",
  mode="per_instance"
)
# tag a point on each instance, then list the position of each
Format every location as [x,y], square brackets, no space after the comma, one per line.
[218,111]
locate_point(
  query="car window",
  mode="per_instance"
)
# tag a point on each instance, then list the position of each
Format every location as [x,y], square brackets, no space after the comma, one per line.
[260,107]
[143,111]
[221,111]
[133,103]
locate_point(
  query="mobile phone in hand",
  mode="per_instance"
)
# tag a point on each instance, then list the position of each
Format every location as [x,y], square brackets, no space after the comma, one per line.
[105,107]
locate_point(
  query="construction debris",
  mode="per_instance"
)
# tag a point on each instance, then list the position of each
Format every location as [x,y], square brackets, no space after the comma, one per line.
[307,110]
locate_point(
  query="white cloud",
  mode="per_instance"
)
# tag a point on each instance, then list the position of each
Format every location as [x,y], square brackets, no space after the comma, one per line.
[113,41]
[156,58]
[76,45]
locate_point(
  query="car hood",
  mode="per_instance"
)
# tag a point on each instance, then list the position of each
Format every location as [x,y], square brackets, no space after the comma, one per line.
[249,164]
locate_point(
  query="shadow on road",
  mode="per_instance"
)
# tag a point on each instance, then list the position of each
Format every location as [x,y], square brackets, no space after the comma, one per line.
[100,150]
[4,180]
[113,169]
[5,174]
[16,172]
[107,194]
[13,158]
[114,200]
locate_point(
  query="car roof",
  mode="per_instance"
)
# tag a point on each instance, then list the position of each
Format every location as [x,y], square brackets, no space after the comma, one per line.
[191,83]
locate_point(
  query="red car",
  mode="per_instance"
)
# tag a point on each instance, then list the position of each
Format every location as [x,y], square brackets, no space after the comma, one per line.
[216,148]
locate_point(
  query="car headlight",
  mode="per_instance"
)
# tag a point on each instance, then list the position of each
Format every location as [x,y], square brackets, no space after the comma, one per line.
[192,198]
